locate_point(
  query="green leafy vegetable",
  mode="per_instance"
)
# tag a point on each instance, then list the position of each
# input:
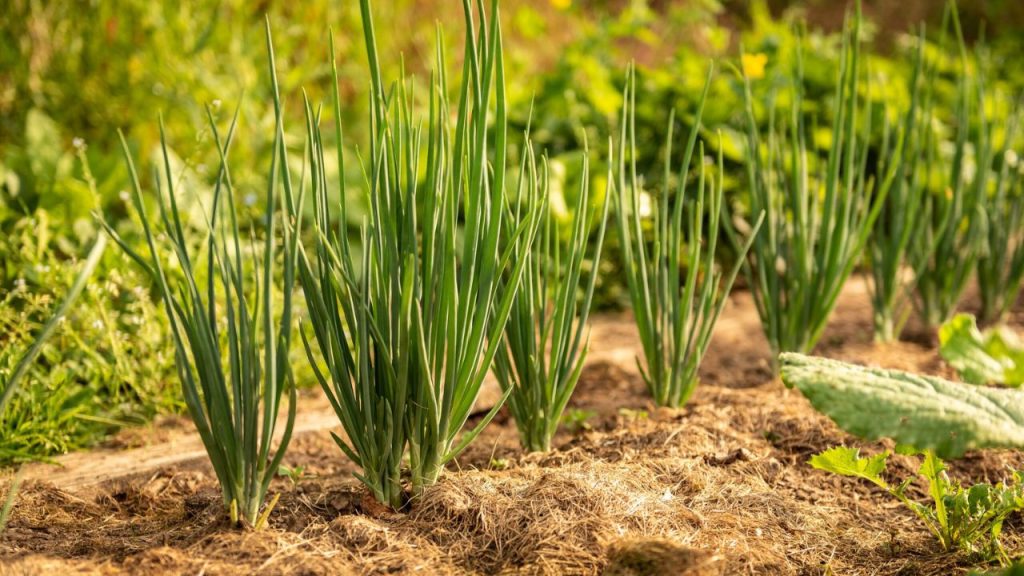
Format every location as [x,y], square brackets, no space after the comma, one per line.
[995,356]
[966,518]
[847,462]
[921,411]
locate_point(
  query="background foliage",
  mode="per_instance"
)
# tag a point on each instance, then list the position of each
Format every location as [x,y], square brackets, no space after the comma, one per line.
[72,73]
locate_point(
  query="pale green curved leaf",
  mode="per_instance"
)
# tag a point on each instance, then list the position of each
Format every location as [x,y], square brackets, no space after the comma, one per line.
[846,461]
[926,412]
[995,356]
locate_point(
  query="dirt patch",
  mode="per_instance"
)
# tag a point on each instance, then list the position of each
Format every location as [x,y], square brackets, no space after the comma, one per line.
[719,487]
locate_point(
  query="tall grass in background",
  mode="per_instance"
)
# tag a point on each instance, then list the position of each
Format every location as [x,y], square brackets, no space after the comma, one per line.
[541,358]
[231,332]
[409,322]
[1001,266]
[896,250]
[817,215]
[10,386]
[955,234]
[675,311]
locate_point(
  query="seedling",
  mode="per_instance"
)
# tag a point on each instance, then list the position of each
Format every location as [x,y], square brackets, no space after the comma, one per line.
[577,420]
[295,475]
[969,519]
[541,358]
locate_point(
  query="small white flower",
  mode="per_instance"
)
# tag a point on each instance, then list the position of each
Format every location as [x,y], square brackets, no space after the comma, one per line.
[19,283]
[124,196]
[645,205]
[215,104]
[78,143]
[250,199]
[97,324]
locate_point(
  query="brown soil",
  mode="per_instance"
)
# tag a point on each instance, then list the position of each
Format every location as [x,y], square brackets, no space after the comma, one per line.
[719,487]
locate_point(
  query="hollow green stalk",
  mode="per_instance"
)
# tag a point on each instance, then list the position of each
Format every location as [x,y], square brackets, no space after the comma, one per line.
[544,346]
[409,322]
[896,249]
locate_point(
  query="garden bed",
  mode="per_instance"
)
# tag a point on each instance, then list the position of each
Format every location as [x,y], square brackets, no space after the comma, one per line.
[720,487]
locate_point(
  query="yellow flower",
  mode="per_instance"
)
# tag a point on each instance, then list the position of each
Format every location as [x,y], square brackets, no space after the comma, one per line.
[561,4]
[753,65]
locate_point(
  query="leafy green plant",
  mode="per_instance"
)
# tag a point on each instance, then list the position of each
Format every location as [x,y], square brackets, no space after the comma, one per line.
[408,334]
[995,356]
[926,412]
[294,474]
[939,418]
[675,313]
[955,236]
[966,518]
[817,216]
[233,395]
[549,315]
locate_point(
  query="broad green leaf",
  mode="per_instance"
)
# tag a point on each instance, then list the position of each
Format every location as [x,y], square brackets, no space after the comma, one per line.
[847,462]
[928,413]
[993,357]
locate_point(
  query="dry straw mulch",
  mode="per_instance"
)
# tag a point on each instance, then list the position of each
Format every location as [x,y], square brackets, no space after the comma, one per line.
[719,488]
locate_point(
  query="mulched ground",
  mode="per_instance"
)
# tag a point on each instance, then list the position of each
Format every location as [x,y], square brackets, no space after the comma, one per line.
[719,487]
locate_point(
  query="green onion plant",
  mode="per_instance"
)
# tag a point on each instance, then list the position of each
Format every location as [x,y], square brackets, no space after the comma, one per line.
[819,211]
[676,289]
[544,347]
[895,247]
[231,328]
[955,235]
[1001,266]
[408,321]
